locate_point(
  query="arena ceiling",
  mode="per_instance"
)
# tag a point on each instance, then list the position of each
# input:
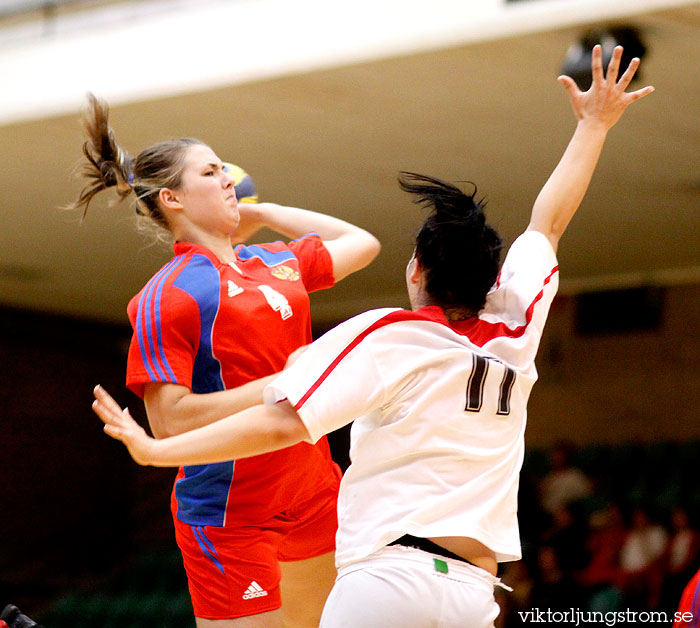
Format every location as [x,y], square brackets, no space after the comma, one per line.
[334,140]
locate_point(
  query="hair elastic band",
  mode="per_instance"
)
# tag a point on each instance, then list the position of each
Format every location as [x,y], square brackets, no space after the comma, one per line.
[130,180]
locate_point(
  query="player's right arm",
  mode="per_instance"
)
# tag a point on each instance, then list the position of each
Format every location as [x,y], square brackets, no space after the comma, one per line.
[161,363]
[257,430]
[173,408]
[319,393]
[327,387]
[597,111]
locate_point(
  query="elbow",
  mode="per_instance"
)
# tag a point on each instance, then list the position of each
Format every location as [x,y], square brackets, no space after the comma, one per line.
[165,425]
[164,409]
[288,428]
[161,431]
[367,249]
[373,248]
[285,435]
[353,253]
[363,256]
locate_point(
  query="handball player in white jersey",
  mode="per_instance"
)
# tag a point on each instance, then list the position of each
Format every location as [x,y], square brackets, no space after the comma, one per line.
[428,507]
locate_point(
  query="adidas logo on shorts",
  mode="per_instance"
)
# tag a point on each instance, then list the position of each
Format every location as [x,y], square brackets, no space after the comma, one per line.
[254,590]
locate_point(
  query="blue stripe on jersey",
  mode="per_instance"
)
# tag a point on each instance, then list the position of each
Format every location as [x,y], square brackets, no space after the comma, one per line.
[143,321]
[147,344]
[203,493]
[200,279]
[269,258]
[207,547]
[159,331]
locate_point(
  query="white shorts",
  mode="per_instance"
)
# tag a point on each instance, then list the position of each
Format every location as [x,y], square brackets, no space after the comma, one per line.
[403,587]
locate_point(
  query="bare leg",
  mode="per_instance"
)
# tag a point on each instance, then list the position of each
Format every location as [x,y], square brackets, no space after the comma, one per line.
[271,619]
[305,587]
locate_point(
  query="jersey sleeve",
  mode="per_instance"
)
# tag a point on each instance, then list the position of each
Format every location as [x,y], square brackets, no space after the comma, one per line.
[165,338]
[315,263]
[336,379]
[513,318]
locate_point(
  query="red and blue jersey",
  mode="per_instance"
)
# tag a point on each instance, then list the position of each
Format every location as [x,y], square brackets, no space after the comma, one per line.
[212,326]
[688,613]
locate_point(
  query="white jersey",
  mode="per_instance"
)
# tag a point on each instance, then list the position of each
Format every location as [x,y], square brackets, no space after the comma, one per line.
[439,411]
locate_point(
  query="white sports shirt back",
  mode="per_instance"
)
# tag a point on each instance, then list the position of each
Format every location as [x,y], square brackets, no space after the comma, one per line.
[439,411]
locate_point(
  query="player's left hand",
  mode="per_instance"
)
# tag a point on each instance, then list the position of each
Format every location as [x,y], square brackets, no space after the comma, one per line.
[606,99]
[120,425]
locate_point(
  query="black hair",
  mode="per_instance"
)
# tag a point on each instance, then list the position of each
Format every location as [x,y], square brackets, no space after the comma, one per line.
[457,250]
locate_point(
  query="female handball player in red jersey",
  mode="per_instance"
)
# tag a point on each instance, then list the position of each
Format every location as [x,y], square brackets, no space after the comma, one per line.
[207,327]
[428,507]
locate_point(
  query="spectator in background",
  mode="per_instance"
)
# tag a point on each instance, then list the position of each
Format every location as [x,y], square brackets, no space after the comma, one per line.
[565,483]
[681,557]
[600,577]
[567,538]
[640,560]
[553,588]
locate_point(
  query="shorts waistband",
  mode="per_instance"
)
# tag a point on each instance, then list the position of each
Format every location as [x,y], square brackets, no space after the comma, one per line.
[457,569]
[408,540]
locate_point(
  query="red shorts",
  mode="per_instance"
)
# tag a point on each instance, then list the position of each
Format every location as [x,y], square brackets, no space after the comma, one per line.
[234,572]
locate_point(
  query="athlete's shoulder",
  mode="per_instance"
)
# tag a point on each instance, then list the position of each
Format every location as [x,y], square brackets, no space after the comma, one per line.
[533,239]
[382,326]
[185,264]
[531,252]
[163,287]
[372,319]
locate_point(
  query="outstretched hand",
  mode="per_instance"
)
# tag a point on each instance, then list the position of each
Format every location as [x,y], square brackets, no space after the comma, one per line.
[120,425]
[606,99]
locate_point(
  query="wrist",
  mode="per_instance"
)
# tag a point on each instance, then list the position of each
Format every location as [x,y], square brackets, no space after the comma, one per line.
[592,125]
[151,451]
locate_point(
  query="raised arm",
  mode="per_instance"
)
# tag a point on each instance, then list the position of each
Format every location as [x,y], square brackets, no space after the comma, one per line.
[351,248]
[597,111]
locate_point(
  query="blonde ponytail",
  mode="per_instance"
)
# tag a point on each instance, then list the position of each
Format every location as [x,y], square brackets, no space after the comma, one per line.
[108,164]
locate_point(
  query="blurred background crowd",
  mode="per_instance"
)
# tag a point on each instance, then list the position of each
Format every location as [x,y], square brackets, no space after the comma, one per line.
[605,529]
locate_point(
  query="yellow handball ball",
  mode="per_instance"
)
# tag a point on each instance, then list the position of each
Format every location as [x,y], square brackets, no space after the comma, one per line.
[242,183]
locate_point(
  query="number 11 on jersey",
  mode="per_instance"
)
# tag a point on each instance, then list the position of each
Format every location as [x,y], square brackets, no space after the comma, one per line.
[477,382]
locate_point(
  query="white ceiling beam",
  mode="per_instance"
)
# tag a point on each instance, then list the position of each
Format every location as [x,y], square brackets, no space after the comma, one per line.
[137,51]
